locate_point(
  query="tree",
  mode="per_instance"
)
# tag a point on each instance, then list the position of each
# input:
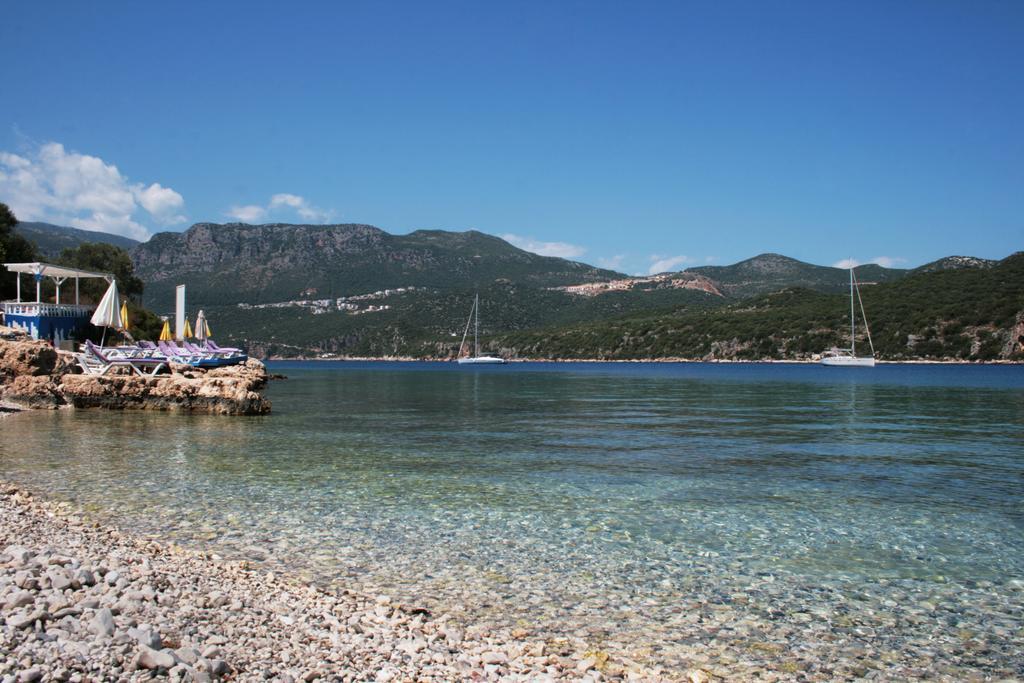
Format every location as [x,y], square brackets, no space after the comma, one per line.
[105,258]
[13,249]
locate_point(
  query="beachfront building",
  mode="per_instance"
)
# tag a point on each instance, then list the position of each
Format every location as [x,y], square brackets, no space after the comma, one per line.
[51,320]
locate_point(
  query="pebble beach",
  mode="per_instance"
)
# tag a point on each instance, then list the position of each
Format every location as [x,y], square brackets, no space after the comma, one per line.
[82,602]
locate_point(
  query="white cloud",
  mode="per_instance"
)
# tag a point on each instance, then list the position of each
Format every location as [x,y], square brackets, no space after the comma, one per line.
[884,261]
[889,261]
[162,202]
[283,201]
[612,262]
[663,264]
[560,249]
[250,213]
[54,185]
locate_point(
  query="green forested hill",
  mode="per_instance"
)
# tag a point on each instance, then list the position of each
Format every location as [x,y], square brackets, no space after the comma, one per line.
[771,272]
[971,313]
[429,322]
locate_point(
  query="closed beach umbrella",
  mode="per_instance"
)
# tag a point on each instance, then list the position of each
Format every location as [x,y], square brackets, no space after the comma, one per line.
[124,315]
[202,328]
[108,312]
[165,334]
[188,329]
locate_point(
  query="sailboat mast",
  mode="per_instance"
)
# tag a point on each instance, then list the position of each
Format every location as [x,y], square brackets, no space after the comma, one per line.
[853,326]
[465,332]
[476,328]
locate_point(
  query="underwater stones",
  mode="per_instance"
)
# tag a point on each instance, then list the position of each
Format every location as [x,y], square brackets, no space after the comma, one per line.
[149,658]
[19,599]
[102,623]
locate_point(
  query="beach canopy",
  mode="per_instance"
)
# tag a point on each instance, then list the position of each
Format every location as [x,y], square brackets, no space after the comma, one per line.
[202,327]
[56,273]
[108,312]
[165,334]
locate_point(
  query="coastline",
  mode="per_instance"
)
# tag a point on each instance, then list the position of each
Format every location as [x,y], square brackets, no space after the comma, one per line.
[85,601]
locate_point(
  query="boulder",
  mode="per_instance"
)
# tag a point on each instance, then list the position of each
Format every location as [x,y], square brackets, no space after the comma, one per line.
[23,356]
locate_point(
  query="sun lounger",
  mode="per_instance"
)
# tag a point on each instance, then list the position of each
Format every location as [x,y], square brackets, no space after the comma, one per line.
[175,352]
[196,351]
[94,361]
[212,346]
[127,351]
[196,358]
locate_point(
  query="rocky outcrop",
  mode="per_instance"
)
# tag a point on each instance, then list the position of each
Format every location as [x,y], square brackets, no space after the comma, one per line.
[1014,347]
[21,355]
[224,391]
[34,375]
[27,391]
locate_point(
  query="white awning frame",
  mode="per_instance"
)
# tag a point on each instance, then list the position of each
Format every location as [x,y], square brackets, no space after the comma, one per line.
[57,273]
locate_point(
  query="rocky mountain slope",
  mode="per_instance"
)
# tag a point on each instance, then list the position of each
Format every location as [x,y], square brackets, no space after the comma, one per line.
[51,240]
[233,263]
[955,263]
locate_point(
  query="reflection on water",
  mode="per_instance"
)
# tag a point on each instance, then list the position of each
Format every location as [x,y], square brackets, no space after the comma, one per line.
[546,487]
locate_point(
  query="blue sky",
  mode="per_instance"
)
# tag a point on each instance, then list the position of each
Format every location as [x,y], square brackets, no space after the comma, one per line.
[637,135]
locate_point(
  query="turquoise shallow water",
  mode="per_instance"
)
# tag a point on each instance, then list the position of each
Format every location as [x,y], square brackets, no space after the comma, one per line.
[546,494]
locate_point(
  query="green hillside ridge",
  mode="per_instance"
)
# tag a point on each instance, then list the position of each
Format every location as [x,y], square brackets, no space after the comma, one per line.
[961,314]
[50,240]
[771,272]
[234,263]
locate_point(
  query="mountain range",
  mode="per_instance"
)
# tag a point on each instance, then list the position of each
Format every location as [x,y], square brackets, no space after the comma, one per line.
[51,240]
[235,263]
[353,289]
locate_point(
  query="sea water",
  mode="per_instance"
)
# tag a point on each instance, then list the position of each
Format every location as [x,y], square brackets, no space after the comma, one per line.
[661,512]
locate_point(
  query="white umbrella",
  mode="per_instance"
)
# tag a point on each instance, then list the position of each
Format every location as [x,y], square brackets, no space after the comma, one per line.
[202,327]
[108,313]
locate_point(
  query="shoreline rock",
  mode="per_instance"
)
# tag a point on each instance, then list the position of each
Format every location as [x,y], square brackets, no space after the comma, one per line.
[33,375]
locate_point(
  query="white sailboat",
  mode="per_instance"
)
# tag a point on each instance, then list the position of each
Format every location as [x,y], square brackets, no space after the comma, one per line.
[848,357]
[476,358]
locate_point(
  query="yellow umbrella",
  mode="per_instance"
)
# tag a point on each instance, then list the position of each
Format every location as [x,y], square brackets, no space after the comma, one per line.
[165,334]
[124,315]
[188,329]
